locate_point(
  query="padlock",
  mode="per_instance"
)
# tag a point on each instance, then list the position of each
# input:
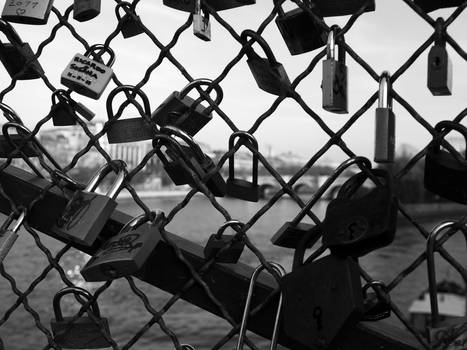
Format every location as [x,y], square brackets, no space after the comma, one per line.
[201,22]
[289,234]
[130,23]
[180,110]
[376,306]
[85,10]
[300,31]
[246,311]
[8,234]
[27,12]
[85,332]
[87,212]
[17,56]
[445,175]
[125,253]
[321,299]
[130,129]
[62,112]
[385,123]
[269,74]
[335,83]
[87,76]
[356,226]
[331,8]
[240,188]
[217,5]
[439,63]
[218,241]
[432,5]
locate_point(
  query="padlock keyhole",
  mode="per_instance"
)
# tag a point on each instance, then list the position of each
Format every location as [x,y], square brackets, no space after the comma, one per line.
[318,316]
[437,62]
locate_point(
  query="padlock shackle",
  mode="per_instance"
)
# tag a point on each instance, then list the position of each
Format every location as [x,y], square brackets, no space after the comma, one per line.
[127,88]
[75,291]
[280,10]
[352,184]
[200,82]
[173,130]
[134,223]
[10,33]
[447,125]
[101,47]
[254,143]
[440,32]
[10,114]
[123,4]
[332,43]
[18,217]
[61,95]
[246,312]
[384,92]
[226,224]
[373,285]
[260,40]
[103,172]
[60,175]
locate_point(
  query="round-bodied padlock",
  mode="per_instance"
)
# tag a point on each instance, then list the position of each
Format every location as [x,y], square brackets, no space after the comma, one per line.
[9,232]
[223,248]
[385,123]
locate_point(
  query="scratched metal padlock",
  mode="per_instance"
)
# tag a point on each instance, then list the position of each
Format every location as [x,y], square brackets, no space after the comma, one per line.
[217,5]
[85,10]
[270,75]
[218,241]
[439,64]
[385,123]
[201,22]
[27,12]
[331,8]
[130,22]
[432,5]
[9,232]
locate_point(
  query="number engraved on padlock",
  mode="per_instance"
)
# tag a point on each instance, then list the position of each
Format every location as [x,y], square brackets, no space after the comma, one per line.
[27,12]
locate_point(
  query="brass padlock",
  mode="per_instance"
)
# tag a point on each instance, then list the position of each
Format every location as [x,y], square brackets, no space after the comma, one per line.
[231,245]
[85,10]
[385,123]
[27,12]
[217,5]
[201,22]
[9,235]
[87,76]
[130,23]
[439,64]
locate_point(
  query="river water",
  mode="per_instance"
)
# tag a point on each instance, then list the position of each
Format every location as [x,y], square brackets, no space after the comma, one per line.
[126,312]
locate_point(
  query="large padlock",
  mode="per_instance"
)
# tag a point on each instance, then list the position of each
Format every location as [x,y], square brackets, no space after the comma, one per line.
[300,30]
[180,110]
[331,8]
[17,57]
[446,175]
[240,188]
[85,10]
[269,74]
[246,311]
[125,253]
[9,233]
[87,212]
[432,5]
[130,23]
[201,22]
[335,83]
[439,64]
[217,5]
[130,129]
[84,332]
[87,76]
[27,12]
[385,123]
[231,245]
[321,299]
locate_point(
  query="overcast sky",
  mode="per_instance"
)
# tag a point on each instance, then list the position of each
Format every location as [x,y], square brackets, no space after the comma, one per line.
[384,38]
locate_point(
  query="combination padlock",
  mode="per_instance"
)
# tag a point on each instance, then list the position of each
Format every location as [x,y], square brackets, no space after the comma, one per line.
[85,10]
[331,8]
[130,23]
[232,245]
[439,64]
[335,82]
[385,123]
[432,5]
[377,306]
[269,74]
[27,12]
[217,5]
[9,233]
[201,22]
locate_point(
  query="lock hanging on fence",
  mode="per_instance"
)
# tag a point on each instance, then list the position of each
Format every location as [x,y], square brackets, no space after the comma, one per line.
[439,64]
[376,306]
[201,22]
[27,12]
[125,253]
[64,109]
[9,233]
[130,22]
[446,175]
[15,54]
[331,8]
[130,129]
[85,10]
[432,5]
[300,30]
[385,123]
[218,241]
[269,74]
[217,5]
[335,84]
[87,212]
[180,110]
[86,76]
[84,332]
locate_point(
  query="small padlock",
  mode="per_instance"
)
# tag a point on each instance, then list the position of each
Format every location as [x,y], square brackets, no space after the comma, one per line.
[300,31]
[289,234]
[130,129]
[439,63]
[87,212]
[432,5]
[246,311]
[27,12]
[87,76]
[335,83]
[445,175]
[331,8]
[269,74]
[218,241]
[180,110]
[385,123]
[84,332]
[125,253]
[9,235]
[62,112]
[376,307]
[85,10]
[201,22]
[130,23]
[217,5]
[239,188]
[17,57]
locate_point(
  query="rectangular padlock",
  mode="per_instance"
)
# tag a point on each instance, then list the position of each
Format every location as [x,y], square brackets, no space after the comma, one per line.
[289,234]
[331,8]
[217,5]
[202,26]
[27,12]
[432,5]
[85,10]
[385,123]
[439,71]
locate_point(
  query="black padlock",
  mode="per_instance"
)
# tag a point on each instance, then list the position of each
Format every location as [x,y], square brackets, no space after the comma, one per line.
[331,8]
[85,10]
[84,332]
[217,241]
[289,234]
[269,74]
[130,129]
[15,54]
[385,123]
[61,111]
[9,232]
[445,175]
[130,22]
[334,83]
[300,30]
[180,110]
[432,5]
[217,5]
[321,299]
[27,12]
[376,306]
[240,188]
[87,212]
[125,253]
[439,64]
